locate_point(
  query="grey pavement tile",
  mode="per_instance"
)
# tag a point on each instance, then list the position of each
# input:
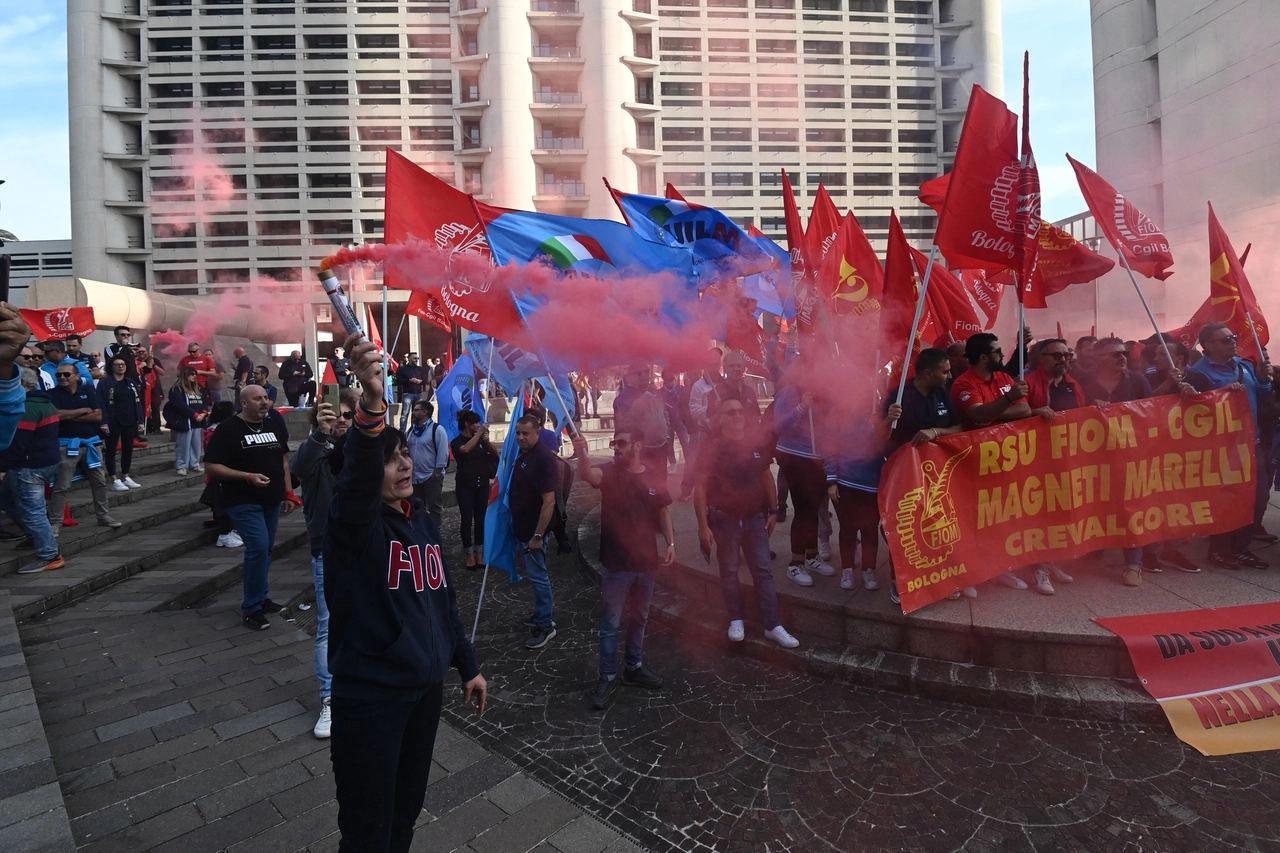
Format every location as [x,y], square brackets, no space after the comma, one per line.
[87,777]
[458,754]
[447,794]
[186,790]
[30,803]
[458,827]
[221,834]
[28,776]
[119,790]
[515,793]
[101,823]
[223,751]
[279,753]
[314,831]
[45,833]
[251,790]
[302,724]
[144,720]
[622,845]
[212,717]
[583,835]
[163,752]
[21,734]
[23,754]
[525,828]
[305,797]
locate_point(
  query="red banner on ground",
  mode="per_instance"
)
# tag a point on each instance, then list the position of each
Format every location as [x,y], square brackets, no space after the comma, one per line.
[970,507]
[1216,673]
[59,323]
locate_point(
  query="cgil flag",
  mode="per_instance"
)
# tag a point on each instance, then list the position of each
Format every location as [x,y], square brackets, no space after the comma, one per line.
[59,323]
[898,306]
[824,225]
[1231,295]
[458,391]
[1128,229]
[499,534]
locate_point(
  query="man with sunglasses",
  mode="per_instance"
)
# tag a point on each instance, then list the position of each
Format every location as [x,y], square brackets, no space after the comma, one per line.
[55,356]
[1222,367]
[633,509]
[80,436]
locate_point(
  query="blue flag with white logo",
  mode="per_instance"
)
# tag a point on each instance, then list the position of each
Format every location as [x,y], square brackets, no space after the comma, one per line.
[499,533]
[458,391]
[506,364]
[772,290]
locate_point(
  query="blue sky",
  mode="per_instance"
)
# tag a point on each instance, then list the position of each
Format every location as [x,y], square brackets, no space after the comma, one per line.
[35,200]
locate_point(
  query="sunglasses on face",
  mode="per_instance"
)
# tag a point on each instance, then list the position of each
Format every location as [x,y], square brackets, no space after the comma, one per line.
[30,356]
[346,416]
[1226,339]
[619,443]
[1057,356]
[64,375]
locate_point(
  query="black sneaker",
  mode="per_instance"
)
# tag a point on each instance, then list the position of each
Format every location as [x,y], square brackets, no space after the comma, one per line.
[893,592]
[1223,561]
[269,606]
[539,636]
[641,677]
[1261,534]
[531,621]
[255,621]
[1251,562]
[1151,562]
[605,690]
[1179,561]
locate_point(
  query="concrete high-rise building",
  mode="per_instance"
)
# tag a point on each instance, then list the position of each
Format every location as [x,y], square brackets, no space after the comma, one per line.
[1184,94]
[214,141]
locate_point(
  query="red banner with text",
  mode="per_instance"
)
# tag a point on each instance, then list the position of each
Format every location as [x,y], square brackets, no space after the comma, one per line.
[59,323]
[1216,673]
[970,507]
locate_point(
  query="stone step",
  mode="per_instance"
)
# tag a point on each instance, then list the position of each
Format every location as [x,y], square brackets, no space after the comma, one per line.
[159,483]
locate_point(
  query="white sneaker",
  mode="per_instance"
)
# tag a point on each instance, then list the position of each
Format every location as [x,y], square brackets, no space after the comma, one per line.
[846,579]
[780,636]
[813,564]
[1042,584]
[325,723]
[969,592]
[736,632]
[1011,580]
[799,575]
[199,469]
[1059,575]
[955,596]
[118,486]
[224,541]
[869,579]
[824,552]
[181,472]
[234,540]
[129,481]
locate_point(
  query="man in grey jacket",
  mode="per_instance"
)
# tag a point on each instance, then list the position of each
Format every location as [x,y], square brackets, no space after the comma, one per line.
[311,464]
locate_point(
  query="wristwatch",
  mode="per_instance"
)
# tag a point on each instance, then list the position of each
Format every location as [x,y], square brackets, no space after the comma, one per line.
[773,511]
[537,536]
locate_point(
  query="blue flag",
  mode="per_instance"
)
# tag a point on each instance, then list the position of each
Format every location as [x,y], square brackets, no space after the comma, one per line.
[506,364]
[772,290]
[559,402]
[458,391]
[499,533]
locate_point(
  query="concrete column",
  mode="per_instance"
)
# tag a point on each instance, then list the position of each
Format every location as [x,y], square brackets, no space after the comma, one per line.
[605,38]
[506,80]
[84,101]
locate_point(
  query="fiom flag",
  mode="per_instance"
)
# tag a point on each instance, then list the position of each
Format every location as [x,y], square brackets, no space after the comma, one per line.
[802,271]
[1128,229]
[851,278]
[499,535]
[458,392]
[1231,294]
[59,323]
[898,307]
[946,302]
[1027,221]
[824,223]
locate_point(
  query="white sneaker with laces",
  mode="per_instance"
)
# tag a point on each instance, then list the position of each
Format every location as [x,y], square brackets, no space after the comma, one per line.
[234,540]
[780,636]
[846,579]
[182,472]
[824,552]
[224,541]
[1059,575]
[118,486]
[797,573]
[131,483]
[869,579]
[325,723]
[1042,584]
[199,469]
[737,633]
[1011,580]
[813,564]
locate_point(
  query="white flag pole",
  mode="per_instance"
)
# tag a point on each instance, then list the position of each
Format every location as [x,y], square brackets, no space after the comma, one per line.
[915,324]
[1151,314]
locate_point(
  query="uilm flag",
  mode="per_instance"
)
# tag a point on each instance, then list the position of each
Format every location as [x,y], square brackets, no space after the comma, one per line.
[59,323]
[420,205]
[978,224]
[898,305]
[851,278]
[824,222]
[1127,228]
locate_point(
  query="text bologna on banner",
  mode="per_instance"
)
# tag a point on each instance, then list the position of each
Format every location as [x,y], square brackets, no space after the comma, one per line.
[970,507]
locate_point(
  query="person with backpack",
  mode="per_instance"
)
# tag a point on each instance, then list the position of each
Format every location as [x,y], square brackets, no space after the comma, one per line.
[429,449]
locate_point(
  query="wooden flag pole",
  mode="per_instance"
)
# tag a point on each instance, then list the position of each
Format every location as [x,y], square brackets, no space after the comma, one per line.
[915,324]
[1151,314]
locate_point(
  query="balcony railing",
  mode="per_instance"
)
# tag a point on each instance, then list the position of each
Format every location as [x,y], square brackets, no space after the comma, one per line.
[557,97]
[563,188]
[468,5]
[560,142]
[557,6]
[559,51]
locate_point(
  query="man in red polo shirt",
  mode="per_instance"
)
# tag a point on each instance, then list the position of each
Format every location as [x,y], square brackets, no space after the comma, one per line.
[202,363]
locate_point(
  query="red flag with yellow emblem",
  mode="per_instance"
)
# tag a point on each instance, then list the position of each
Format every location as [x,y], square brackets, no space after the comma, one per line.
[1231,295]
[851,278]
[898,304]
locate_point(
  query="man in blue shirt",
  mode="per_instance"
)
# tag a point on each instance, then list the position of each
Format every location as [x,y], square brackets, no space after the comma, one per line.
[79,433]
[1222,367]
[55,355]
[429,449]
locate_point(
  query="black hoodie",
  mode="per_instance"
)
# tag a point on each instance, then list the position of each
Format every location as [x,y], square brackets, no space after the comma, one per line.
[393,618]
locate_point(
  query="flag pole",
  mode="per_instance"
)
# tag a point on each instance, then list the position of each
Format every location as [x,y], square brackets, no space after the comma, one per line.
[915,324]
[475,626]
[1022,330]
[554,390]
[1151,314]
[1257,343]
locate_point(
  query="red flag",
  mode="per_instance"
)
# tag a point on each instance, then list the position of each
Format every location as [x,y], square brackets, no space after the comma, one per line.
[429,308]
[674,194]
[977,227]
[801,277]
[376,337]
[824,222]
[1027,221]
[1231,294]
[898,306]
[49,324]
[744,334]
[934,193]
[418,204]
[1127,228]
[985,292]
[327,376]
[851,279]
[948,308]
[1062,260]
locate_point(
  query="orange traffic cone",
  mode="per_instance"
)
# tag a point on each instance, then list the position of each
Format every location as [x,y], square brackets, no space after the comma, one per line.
[67,520]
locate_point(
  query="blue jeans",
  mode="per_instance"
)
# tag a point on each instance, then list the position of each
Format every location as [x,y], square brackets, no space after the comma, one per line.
[22,497]
[535,567]
[626,595]
[187,446]
[256,525]
[1132,556]
[406,407]
[322,628]
[751,539]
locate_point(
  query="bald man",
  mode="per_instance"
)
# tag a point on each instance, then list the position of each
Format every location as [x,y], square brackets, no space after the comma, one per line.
[244,369]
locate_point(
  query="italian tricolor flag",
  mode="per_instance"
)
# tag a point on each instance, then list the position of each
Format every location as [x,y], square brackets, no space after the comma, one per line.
[661,213]
[571,248]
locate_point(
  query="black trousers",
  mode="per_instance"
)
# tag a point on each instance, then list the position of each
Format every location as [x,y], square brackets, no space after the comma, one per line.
[473,502]
[381,754]
[859,514]
[807,482]
[122,435]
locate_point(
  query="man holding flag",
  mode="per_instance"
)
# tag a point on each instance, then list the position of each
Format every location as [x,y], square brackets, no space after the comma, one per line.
[532,497]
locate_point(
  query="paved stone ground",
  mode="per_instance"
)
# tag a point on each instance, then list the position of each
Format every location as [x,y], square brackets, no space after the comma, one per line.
[735,755]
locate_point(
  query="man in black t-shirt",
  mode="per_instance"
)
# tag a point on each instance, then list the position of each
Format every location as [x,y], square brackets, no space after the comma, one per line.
[80,434]
[927,412]
[250,458]
[632,510]
[735,498]
[532,495]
